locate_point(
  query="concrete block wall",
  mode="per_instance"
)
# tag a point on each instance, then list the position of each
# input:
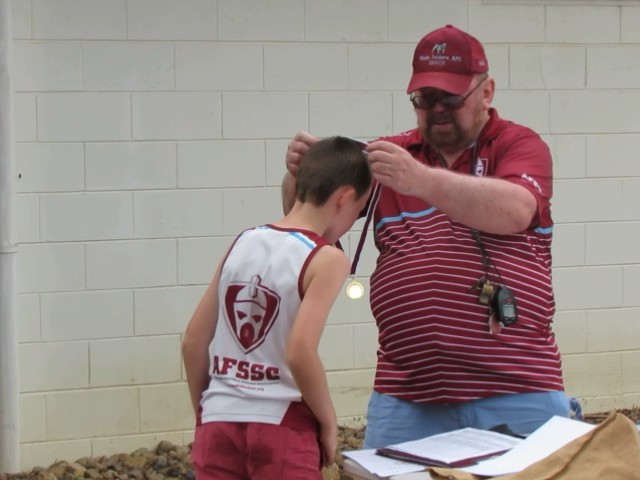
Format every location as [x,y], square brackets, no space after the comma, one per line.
[149,132]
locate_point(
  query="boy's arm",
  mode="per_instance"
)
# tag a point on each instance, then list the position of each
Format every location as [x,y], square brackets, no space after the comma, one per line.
[197,337]
[323,281]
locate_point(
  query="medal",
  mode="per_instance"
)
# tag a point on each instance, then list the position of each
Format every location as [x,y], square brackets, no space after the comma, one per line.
[355,290]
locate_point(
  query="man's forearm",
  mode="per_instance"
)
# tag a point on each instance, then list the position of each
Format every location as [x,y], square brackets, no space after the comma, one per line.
[288,192]
[487,204]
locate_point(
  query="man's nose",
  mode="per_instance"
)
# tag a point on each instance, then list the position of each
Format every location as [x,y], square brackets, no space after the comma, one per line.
[438,107]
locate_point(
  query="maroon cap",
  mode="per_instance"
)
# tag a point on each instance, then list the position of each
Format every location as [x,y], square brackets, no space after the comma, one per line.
[447,59]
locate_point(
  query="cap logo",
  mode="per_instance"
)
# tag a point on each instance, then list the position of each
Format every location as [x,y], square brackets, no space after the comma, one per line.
[439,57]
[439,49]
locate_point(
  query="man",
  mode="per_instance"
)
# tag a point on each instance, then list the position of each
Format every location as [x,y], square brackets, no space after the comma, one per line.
[462,293]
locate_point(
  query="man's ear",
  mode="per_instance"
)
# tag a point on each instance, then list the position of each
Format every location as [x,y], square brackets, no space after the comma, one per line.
[488,91]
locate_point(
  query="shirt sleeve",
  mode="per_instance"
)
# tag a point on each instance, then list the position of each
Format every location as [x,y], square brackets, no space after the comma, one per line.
[525,159]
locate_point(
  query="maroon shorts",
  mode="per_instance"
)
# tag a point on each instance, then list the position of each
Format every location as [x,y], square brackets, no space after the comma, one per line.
[242,451]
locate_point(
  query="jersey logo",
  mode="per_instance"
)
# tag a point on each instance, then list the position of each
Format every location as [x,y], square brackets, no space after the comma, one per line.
[251,309]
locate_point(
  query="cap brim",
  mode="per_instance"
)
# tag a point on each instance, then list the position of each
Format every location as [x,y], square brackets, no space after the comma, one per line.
[449,82]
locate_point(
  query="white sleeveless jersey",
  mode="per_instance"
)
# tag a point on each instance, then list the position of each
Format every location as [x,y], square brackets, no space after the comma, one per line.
[259,295]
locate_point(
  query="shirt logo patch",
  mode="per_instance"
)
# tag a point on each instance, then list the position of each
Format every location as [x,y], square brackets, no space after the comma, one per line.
[251,309]
[480,168]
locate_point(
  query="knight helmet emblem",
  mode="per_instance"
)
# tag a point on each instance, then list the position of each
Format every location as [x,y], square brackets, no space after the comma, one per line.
[251,309]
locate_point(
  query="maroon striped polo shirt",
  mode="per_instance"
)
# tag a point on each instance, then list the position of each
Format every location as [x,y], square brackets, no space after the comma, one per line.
[434,341]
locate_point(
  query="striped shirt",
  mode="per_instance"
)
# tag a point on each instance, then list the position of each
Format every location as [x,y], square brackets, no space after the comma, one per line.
[434,340]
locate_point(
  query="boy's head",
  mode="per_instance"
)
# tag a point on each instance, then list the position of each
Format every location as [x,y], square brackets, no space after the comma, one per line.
[335,173]
[329,164]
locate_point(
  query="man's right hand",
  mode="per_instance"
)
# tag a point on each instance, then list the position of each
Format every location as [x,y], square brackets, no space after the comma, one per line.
[297,149]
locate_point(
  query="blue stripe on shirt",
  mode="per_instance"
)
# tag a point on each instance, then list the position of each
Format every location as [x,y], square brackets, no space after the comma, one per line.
[544,231]
[404,215]
[304,239]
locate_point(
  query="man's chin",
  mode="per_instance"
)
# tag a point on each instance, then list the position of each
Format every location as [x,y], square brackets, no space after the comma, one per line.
[440,138]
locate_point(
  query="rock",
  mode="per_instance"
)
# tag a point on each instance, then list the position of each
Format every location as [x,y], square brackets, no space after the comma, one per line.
[331,473]
[109,475]
[184,449]
[145,452]
[159,462]
[115,461]
[58,469]
[176,470]
[88,462]
[136,475]
[190,475]
[165,447]
[93,474]
[135,461]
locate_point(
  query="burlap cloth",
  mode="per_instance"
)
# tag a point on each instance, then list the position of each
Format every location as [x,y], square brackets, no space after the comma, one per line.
[611,451]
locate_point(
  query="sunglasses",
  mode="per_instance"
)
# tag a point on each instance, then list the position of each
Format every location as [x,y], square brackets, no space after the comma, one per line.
[449,102]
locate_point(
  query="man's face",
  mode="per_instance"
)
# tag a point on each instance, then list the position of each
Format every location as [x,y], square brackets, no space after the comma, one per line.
[447,128]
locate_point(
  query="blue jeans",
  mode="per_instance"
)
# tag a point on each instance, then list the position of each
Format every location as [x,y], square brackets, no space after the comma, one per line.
[391,420]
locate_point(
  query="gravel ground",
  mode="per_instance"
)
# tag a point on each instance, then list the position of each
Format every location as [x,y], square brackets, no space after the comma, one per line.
[171,462]
[166,462]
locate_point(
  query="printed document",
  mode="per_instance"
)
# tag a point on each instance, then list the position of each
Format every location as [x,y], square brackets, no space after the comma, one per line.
[458,448]
[553,435]
[382,466]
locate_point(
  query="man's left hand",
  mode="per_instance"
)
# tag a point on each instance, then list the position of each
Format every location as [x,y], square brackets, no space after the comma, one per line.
[395,168]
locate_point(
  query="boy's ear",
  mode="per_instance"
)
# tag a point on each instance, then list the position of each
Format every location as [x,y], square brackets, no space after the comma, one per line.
[344,195]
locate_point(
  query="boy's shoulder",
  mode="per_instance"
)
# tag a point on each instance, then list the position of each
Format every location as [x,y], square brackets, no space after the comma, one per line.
[285,237]
[331,257]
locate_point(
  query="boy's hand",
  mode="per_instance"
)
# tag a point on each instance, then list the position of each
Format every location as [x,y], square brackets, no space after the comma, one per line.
[297,149]
[329,443]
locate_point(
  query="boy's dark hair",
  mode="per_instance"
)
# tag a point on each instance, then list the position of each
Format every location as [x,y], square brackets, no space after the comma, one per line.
[330,164]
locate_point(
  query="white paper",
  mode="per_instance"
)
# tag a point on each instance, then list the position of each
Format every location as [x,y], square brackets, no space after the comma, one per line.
[553,435]
[382,466]
[466,443]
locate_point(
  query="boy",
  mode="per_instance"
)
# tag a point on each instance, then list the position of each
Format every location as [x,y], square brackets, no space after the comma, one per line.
[256,381]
